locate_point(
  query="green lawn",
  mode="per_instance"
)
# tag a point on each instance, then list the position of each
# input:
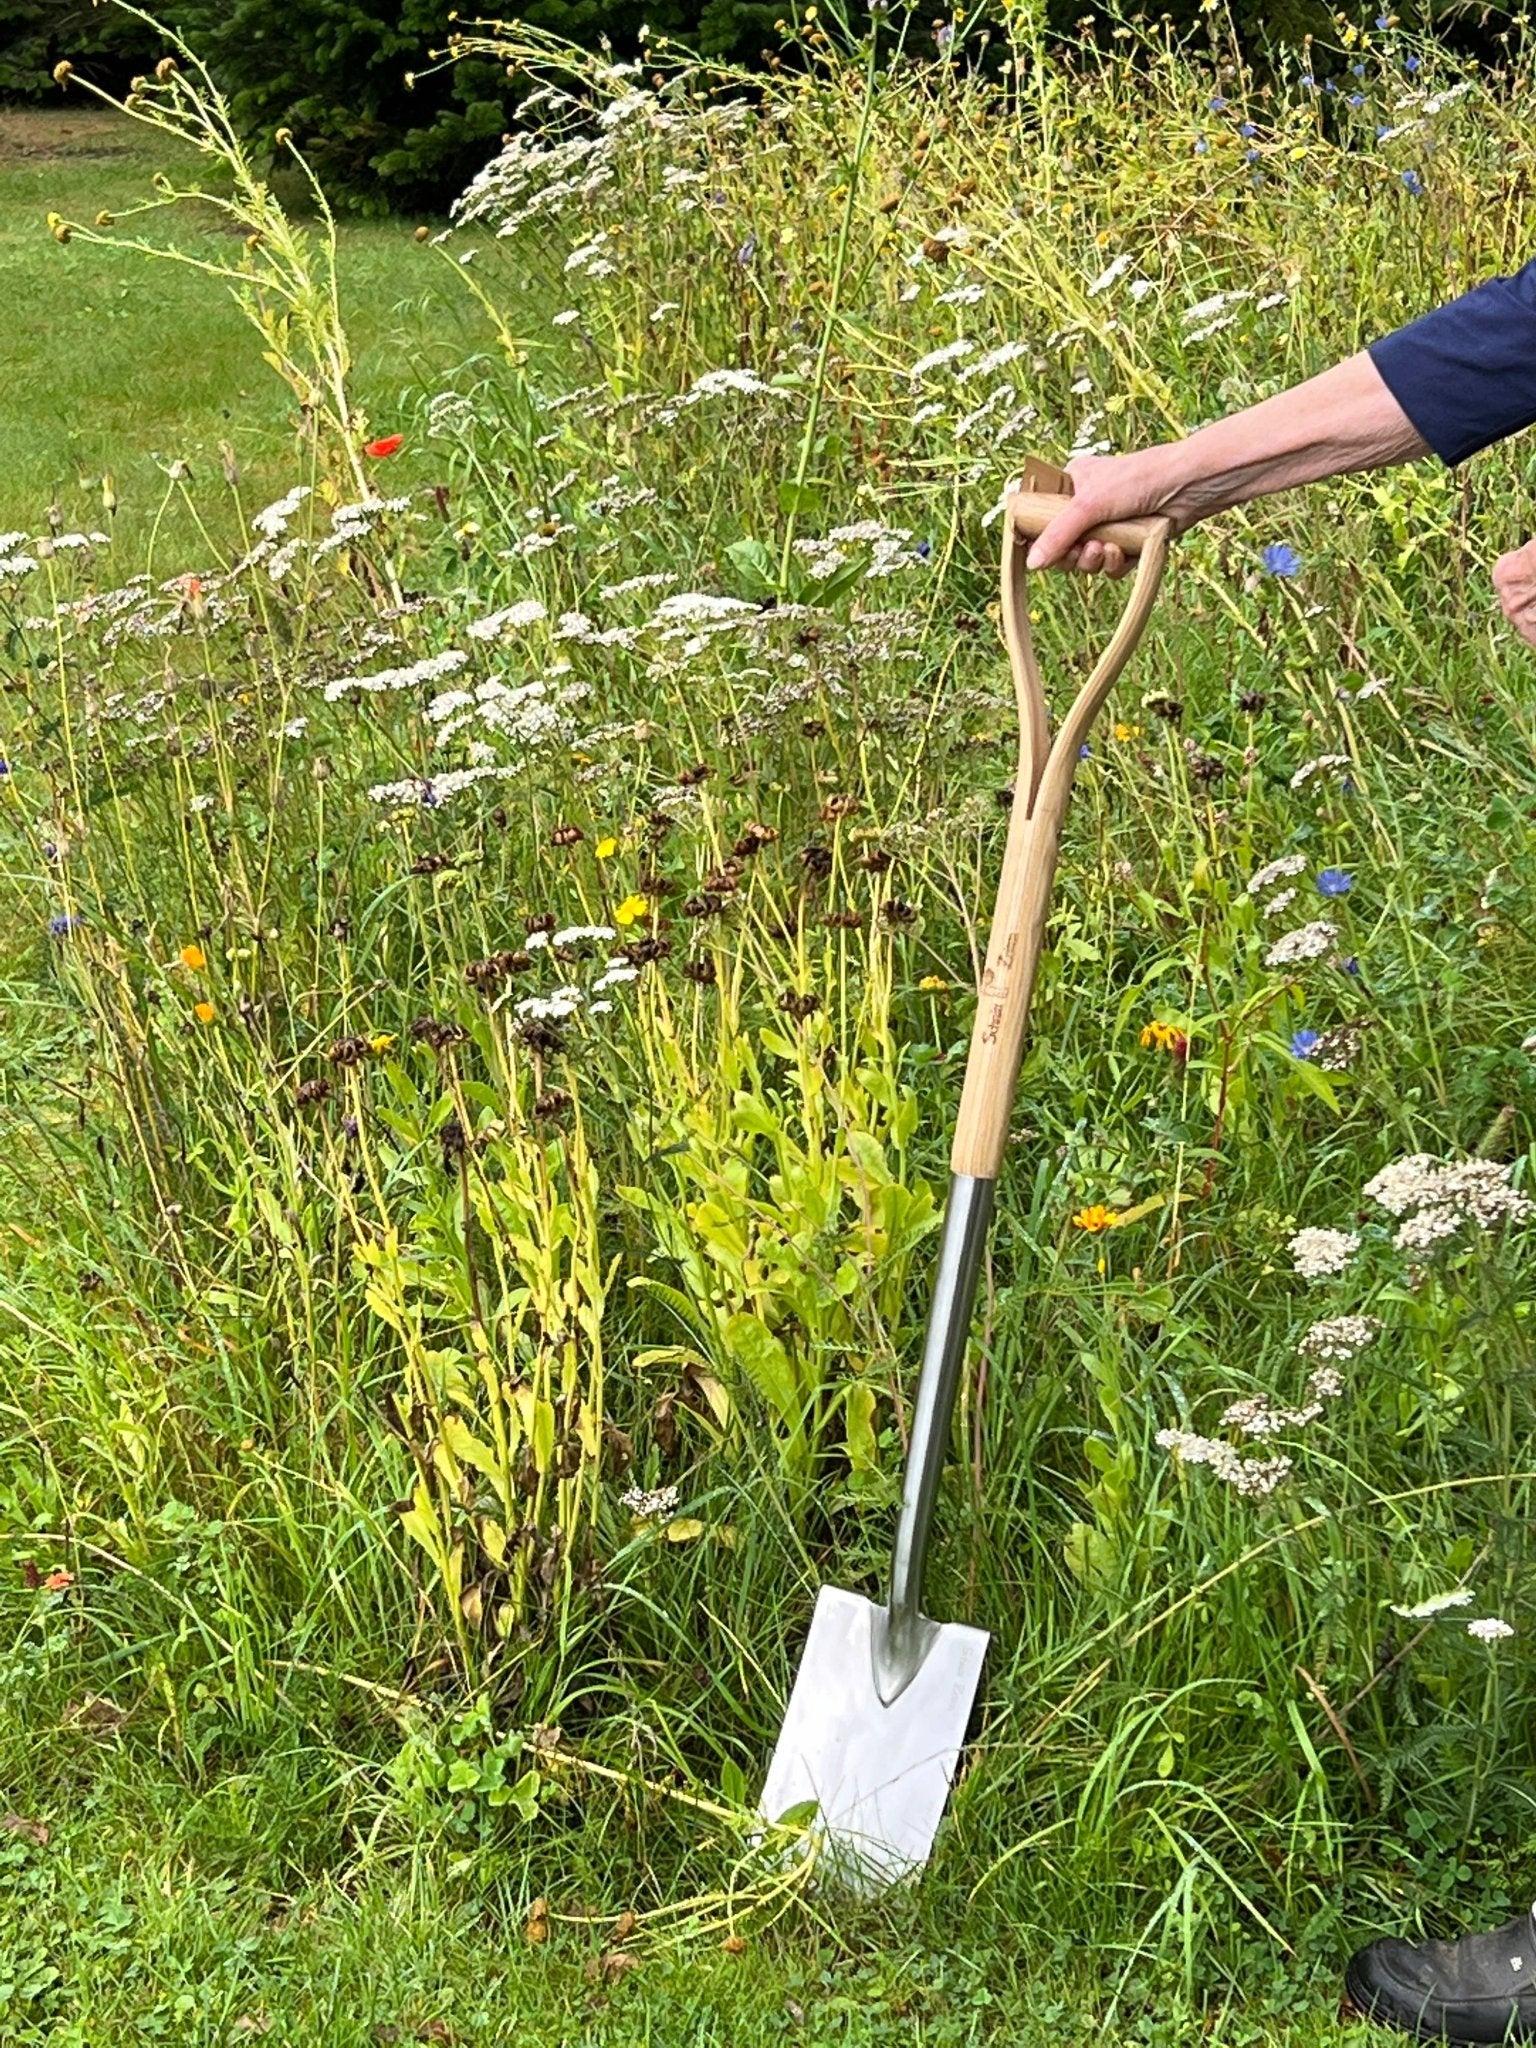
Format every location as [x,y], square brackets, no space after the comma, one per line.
[118,364]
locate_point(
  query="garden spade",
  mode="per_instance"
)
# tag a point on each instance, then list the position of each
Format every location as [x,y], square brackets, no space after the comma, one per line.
[878,1713]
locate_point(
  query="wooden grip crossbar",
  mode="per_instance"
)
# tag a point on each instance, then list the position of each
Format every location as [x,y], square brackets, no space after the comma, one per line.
[1041,789]
[1031,512]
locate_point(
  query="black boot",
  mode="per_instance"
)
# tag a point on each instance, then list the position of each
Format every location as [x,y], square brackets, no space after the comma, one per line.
[1481,1988]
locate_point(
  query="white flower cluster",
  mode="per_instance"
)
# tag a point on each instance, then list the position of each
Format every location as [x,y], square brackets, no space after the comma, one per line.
[1255,1416]
[432,790]
[1340,1337]
[658,1506]
[1436,1198]
[1279,870]
[1489,1630]
[428,670]
[526,613]
[272,520]
[1307,942]
[530,714]
[1251,1477]
[1319,1254]
[1437,1603]
[1324,762]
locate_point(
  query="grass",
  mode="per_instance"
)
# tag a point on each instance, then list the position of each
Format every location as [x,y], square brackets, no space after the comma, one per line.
[120,367]
[349,1308]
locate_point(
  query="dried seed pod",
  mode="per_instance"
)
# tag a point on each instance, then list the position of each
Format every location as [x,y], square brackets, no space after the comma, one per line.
[702,906]
[432,863]
[816,860]
[798,1006]
[348,1052]
[876,859]
[691,777]
[703,971]
[895,912]
[567,835]
[839,806]
[313,1091]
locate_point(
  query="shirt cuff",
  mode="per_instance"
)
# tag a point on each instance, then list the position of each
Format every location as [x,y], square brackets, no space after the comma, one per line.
[1465,374]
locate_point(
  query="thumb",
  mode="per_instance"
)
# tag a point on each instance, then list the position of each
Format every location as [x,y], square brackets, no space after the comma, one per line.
[1062,535]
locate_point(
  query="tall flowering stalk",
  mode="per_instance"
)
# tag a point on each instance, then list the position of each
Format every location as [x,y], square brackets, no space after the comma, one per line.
[285,280]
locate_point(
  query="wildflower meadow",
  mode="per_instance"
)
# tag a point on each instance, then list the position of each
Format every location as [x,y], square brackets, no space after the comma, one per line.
[493,883]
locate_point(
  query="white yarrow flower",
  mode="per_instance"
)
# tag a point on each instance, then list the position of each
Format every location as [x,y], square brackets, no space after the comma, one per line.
[1437,1603]
[1490,1629]
[1307,942]
[1318,1254]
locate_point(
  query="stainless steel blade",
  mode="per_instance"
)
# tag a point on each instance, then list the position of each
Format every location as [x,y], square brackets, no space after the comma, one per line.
[878,1775]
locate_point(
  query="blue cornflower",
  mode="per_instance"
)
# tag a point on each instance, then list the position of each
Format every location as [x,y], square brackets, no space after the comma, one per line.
[1247,128]
[1358,70]
[924,548]
[1085,752]
[1280,560]
[5,766]
[1410,65]
[1250,156]
[1304,1044]
[1383,21]
[1351,966]
[1382,134]
[61,924]
[1413,182]
[1202,147]
[1329,86]
[747,251]
[1356,99]
[1217,103]
[1334,882]
[1307,78]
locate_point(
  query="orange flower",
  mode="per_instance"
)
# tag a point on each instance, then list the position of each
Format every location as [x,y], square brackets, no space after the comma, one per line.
[387,444]
[193,957]
[1165,1038]
[1095,1218]
[58,1582]
[203,1012]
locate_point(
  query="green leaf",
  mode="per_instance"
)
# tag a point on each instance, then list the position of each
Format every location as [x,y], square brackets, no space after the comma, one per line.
[754,564]
[807,497]
[862,1447]
[766,1363]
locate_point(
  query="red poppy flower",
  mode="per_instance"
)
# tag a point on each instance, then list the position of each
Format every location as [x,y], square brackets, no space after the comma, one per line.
[385,446]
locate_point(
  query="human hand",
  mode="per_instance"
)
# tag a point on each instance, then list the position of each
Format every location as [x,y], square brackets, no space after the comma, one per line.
[1514,581]
[1110,487]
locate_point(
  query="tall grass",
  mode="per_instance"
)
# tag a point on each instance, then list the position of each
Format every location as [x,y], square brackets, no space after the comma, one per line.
[474,1120]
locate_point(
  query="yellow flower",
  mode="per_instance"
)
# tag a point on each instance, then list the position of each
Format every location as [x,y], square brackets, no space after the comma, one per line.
[1162,1037]
[203,1012]
[1125,732]
[933,983]
[382,1041]
[1095,1218]
[631,909]
[193,957]
[605,849]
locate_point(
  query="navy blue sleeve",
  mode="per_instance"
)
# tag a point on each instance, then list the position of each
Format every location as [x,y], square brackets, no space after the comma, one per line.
[1465,374]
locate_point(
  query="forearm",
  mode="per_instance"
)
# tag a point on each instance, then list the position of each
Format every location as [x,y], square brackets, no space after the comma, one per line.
[1336,423]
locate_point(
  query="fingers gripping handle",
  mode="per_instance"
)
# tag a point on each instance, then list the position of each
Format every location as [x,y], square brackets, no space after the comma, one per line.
[1034,836]
[1031,512]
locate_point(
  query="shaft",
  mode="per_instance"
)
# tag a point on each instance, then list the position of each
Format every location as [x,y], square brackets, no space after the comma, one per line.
[901,1643]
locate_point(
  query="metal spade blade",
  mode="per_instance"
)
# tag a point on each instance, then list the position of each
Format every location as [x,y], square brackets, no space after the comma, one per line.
[879,1775]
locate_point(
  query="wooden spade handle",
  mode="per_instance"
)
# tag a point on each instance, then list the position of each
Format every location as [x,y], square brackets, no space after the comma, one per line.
[1041,790]
[1031,512]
